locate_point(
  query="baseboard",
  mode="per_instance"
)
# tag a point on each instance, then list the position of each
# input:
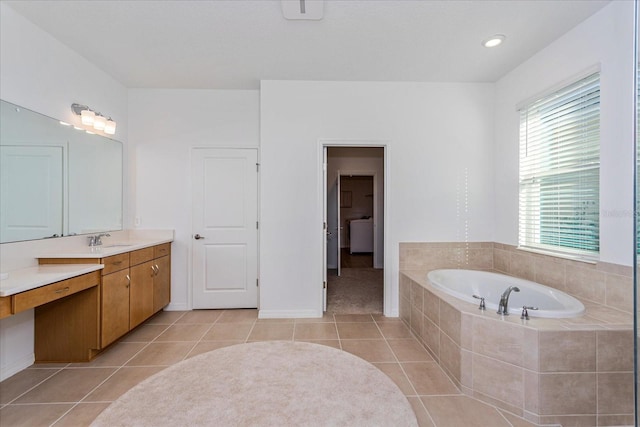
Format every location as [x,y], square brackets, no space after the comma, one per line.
[177,307]
[17,366]
[288,314]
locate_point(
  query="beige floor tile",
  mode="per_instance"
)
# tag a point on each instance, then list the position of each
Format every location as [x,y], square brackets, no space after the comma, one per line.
[326,318]
[200,316]
[82,414]
[68,385]
[395,372]
[455,411]
[409,350]
[184,332]
[228,332]
[22,382]
[516,421]
[271,332]
[116,355]
[32,415]
[238,316]
[424,420]
[162,354]
[428,379]
[120,382]
[392,330]
[166,317]
[207,346]
[144,333]
[329,343]
[315,331]
[343,318]
[369,350]
[381,318]
[37,365]
[275,321]
[356,331]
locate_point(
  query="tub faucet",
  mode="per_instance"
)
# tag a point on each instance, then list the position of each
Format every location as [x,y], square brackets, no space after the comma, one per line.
[503,308]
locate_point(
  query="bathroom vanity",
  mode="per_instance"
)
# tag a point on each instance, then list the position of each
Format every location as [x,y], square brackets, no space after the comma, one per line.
[86,299]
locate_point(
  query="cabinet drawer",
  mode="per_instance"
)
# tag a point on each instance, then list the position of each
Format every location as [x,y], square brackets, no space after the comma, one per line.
[141,255]
[115,263]
[161,250]
[5,307]
[54,291]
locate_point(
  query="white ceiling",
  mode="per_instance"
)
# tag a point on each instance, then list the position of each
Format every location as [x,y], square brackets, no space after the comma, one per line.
[234,44]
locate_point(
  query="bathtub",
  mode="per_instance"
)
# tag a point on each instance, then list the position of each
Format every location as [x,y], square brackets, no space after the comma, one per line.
[463,284]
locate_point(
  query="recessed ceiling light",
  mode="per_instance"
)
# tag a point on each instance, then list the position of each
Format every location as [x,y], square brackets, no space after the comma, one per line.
[494,40]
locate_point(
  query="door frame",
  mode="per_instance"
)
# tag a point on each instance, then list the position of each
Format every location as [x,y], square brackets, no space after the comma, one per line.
[192,148]
[324,143]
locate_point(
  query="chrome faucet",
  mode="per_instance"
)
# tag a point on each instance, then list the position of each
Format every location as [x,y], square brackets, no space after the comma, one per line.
[503,308]
[97,239]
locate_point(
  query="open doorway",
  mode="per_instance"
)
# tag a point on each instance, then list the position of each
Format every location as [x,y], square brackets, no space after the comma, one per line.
[355,230]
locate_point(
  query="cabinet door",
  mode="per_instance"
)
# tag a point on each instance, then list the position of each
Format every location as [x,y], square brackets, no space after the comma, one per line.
[162,283]
[115,306]
[141,293]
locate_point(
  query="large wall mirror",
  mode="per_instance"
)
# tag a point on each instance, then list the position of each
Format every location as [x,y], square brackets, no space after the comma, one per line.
[55,180]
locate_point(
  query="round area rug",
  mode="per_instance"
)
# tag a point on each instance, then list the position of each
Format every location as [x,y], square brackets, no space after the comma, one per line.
[274,383]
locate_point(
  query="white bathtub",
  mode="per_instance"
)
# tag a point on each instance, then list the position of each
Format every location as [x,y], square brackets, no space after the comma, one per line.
[463,284]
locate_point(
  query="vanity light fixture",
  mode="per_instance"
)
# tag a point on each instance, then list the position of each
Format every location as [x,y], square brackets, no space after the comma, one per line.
[494,40]
[99,122]
[94,119]
[88,117]
[110,127]
[64,123]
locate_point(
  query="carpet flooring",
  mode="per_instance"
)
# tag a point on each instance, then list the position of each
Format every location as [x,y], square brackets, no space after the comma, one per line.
[356,291]
[276,383]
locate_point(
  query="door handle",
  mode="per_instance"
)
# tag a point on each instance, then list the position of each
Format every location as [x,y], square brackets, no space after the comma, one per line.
[198,237]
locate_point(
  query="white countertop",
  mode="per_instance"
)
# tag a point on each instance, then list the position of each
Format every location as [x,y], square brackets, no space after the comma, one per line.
[108,248]
[29,278]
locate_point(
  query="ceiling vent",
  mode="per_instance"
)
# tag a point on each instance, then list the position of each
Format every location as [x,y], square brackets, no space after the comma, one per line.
[303,9]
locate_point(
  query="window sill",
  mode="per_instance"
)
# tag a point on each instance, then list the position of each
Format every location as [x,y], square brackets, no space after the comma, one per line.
[578,258]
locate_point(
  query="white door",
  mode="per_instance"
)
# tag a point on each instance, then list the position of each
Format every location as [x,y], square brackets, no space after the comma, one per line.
[325,229]
[225,228]
[32,185]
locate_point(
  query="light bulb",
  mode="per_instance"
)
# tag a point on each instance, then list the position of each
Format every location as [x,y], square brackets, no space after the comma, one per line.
[110,127]
[494,41]
[99,123]
[88,117]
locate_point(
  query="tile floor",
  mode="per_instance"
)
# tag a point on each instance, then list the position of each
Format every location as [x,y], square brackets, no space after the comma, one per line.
[74,394]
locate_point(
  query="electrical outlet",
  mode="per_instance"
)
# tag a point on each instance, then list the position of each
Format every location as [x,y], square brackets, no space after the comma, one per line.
[136,221]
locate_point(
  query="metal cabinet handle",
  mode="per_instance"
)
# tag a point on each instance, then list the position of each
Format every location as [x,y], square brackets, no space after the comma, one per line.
[198,237]
[157,269]
[59,291]
[128,281]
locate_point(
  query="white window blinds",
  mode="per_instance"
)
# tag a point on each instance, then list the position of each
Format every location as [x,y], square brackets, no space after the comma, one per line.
[560,170]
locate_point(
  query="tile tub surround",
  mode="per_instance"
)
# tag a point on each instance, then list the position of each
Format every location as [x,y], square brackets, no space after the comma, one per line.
[570,371]
[607,284]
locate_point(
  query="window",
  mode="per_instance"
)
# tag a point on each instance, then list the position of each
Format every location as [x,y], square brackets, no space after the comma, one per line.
[560,170]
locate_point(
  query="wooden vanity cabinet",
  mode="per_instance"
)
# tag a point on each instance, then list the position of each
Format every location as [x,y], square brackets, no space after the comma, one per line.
[134,286]
[114,306]
[141,292]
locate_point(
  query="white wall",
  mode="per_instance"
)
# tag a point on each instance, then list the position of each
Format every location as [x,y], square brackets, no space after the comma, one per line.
[354,160]
[606,39]
[165,126]
[41,74]
[439,152]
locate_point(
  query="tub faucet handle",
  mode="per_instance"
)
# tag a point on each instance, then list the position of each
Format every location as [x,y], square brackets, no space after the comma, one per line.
[525,312]
[482,305]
